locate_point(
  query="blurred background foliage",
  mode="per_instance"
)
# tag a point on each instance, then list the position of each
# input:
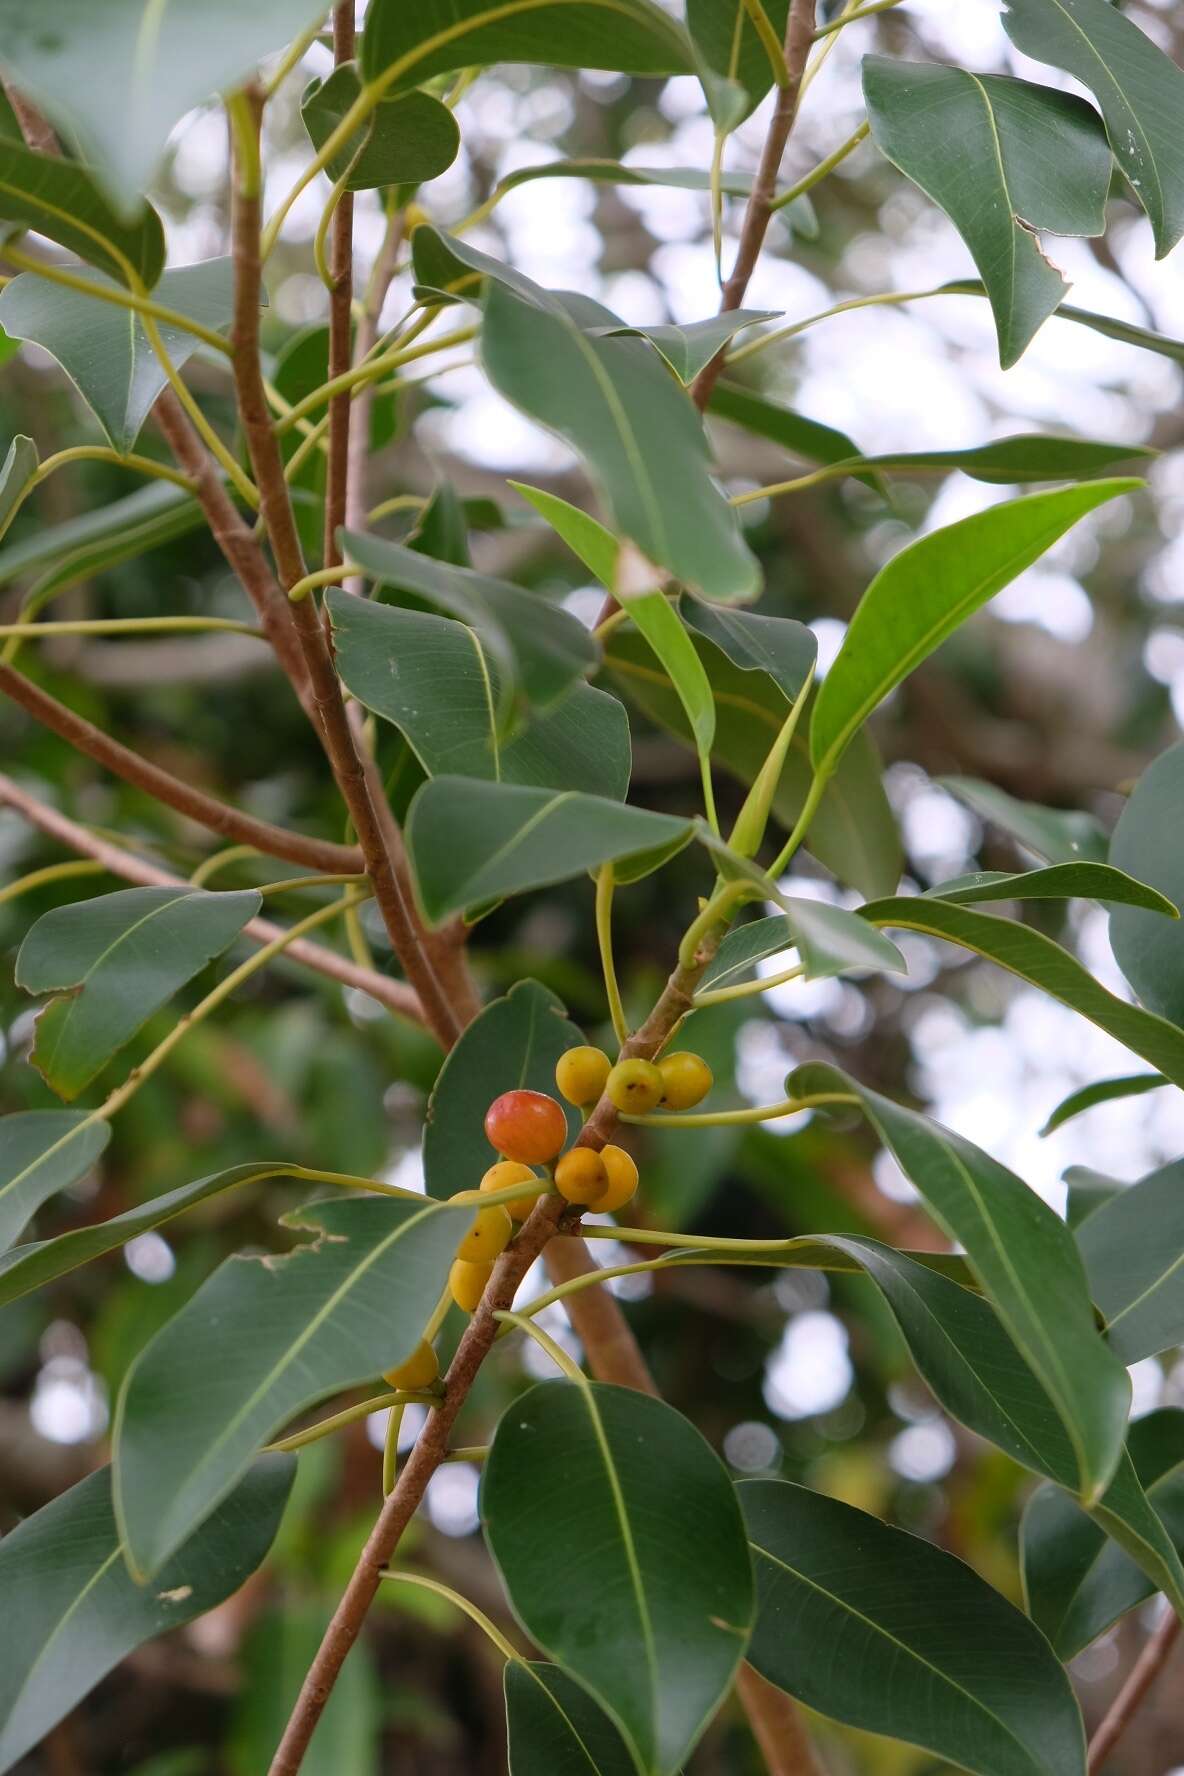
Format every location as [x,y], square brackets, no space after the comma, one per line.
[1058,694]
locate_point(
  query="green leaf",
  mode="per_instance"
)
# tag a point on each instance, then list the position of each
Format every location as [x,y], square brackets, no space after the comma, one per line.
[16,476]
[584,535]
[1146,842]
[689,348]
[42,1152]
[431,677]
[1031,456]
[828,940]
[745,946]
[1077,1582]
[1044,964]
[656,1637]
[1024,1257]
[974,1369]
[733,62]
[766,419]
[79,547]
[1054,834]
[839,1627]
[1125,331]
[476,841]
[1140,92]
[778,646]
[612,401]
[1063,881]
[117,959]
[1086,1191]
[853,833]
[28,1267]
[1103,1091]
[61,200]
[118,81]
[555,1729]
[1133,1250]
[1004,160]
[329,1315]
[924,593]
[404,141]
[406,44]
[543,645]
[515,1042]
[74,1610]
[104,349]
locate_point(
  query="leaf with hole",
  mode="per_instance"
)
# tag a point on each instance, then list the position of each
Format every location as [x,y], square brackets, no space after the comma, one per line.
[103,348]
[1140,91]
[944,1677]
[65,1581]
[1025,1259]
[627,1486]
[116,960]
[406,140]
[118,80]
[1005,160]
[926,591]
[403,45]
[262,1340]
[472,841]
[42,1152]
[431,677]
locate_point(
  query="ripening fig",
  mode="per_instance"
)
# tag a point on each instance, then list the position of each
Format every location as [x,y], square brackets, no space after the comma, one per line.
[467,1283]
[621,1171]
[580,1175]
[527,1126]
[686,1080]
[582,1074]
[505,1173]
[417,1373]
[488,1236]
[635,1086]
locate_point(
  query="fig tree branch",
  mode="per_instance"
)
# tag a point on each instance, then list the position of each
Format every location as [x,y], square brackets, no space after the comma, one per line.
[1130,1698]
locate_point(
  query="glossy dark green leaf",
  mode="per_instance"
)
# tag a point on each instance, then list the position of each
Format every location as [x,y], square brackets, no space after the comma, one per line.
[883,1631]
[1133,1249]
[1062,881]
[404,44]
[687,349]
[514,1043]
[615,404]
[1044,964]
[1103,1091]
[1139,89]
[104,349]
[1078,1582]
[627,1486]
[61,200]
[116,960]
[432,678]
[734,64]
[1004,160]
[853,833]
[42,1152]
[262,1340]
[473,841]
[829,943]
[1057,835]
[973,1368]
[75,1611]
[544,646]
[1150,952]
[554,1728]
[405,140]
[1025,1259]
[778,646]
[62,554]
[918,600]
[119,79]
[28,1267]
[781,425]
[1031,456]
[20,465]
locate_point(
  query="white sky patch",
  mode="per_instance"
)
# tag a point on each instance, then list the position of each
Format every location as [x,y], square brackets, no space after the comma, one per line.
[810,1371]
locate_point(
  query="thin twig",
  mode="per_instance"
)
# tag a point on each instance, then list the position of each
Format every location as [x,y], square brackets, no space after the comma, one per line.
[377,285]
[777,1726]
[341,271]
[394,994]
[1129,1699]
[195,804]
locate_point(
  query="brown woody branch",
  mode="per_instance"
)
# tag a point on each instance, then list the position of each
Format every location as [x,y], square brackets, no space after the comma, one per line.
[1130,1698]
[394,994]
[195,804]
